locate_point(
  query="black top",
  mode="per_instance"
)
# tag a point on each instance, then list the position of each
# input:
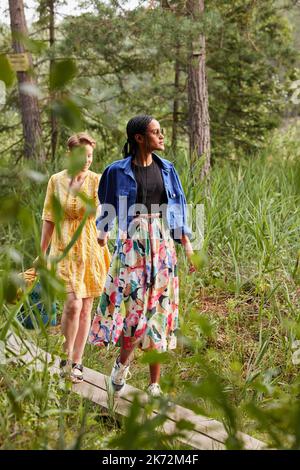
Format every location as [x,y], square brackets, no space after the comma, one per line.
[150,185]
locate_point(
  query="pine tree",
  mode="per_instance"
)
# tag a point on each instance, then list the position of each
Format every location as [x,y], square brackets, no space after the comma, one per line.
[29,105]
[198,115]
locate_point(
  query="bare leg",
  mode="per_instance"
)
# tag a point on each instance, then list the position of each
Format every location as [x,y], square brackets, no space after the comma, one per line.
[154,373]
[70,322]
[125,354]
[125,357]
[83,329]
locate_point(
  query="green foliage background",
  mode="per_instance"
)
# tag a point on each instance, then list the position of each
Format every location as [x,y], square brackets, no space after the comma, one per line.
[240,312]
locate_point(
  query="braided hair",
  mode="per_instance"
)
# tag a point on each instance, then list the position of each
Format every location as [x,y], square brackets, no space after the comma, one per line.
[136,125]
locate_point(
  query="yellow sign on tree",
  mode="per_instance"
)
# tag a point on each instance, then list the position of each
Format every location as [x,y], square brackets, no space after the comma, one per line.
[19,62]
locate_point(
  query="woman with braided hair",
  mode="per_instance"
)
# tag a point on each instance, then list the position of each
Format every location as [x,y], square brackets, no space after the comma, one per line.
[145,194]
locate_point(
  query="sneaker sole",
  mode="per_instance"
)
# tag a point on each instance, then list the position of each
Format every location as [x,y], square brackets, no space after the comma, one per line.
[116,389]
[75,379]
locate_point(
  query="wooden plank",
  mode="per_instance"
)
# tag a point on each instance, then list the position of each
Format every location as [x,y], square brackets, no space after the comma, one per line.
[98,393]
[203,424]
[99,396]
[207,434]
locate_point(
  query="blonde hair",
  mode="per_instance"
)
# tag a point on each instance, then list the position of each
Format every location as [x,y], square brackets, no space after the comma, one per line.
[81,138]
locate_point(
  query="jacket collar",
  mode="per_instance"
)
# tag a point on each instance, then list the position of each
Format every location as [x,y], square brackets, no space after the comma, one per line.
[126,164]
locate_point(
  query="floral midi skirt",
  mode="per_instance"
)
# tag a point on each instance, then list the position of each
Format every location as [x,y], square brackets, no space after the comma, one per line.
[140,297]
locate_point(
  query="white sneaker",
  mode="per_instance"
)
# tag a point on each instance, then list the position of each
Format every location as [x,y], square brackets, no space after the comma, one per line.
[118,376]
[154,390]
[77,373]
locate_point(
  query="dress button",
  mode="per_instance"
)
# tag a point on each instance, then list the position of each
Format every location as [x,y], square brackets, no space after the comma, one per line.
[173,195]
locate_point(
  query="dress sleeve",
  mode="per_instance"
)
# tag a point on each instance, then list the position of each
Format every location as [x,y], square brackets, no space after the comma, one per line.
[47,210]
[186,229]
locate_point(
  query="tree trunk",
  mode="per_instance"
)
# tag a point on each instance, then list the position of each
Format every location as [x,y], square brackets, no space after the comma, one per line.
[176,9]
[198,115]
[54,124]
[31,121]
[176,101]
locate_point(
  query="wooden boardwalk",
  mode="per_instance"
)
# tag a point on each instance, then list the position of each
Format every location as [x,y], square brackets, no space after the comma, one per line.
[208,434]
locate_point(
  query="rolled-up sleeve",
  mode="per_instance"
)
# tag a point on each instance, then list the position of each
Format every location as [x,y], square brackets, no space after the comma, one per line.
[186,230]
[106,195]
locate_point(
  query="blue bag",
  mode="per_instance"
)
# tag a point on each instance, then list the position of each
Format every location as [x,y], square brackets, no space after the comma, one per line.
[31,316]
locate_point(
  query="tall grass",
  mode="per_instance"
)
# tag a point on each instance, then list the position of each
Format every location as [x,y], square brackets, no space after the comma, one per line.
[239,313]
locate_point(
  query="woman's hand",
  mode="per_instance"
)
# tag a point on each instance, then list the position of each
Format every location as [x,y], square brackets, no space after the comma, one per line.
[103,240]
[192,269]
[41,260]
[189,252]
[47,231]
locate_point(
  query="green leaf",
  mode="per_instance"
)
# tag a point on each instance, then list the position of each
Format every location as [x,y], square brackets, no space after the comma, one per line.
[62,73]
[74,238]
[154,357]
[58,213]
[89,203]
[76,161]
[7,75]
[69,113]
[9,209]
[184,425]
[25,218]
[11,283]
[36,46]
[203,322]
[200,259]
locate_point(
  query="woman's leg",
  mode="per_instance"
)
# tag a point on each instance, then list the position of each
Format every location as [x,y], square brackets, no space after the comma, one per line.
[125,353]
[154,373]
[83,329]
[70,322]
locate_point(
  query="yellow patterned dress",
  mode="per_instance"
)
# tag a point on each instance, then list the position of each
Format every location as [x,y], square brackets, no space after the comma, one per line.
[85,266]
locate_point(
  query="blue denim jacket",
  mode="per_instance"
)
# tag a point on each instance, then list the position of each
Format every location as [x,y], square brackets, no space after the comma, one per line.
[118,190]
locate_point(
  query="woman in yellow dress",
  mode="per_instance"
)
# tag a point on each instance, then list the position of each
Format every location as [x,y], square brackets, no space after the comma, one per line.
[85,265]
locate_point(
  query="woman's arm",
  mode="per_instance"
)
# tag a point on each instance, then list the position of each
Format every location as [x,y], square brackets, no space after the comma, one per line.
[47,231]
[188,251]
[48,216]
[185,238]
